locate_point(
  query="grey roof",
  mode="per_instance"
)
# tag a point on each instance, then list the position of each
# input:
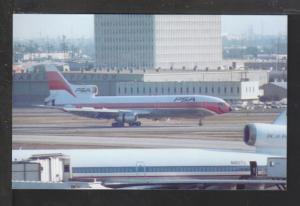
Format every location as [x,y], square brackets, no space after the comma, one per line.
[280,84]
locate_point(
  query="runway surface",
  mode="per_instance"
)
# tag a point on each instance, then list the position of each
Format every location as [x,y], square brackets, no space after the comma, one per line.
[38,128]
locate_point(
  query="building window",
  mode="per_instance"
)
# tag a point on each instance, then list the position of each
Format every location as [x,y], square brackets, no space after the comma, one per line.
[238,90]
[219,90]
[231,89]
[212,90]
[187,90]
[225,89]
[125,90]
[149,90]
[119,90]
[66,168]
[156,90]
[144,90]
[131,90]
[206,90]
[199,89]
[137,90]
[162,90]
[175,90]
[168,90]
[181,90]
[193,90]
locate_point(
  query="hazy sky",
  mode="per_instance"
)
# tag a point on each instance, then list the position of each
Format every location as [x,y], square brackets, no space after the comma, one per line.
[27,26]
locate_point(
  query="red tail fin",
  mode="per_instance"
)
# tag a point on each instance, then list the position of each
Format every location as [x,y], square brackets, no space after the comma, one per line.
[56,81]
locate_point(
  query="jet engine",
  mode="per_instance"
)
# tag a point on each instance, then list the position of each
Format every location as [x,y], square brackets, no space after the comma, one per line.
[265,135]
[126,117]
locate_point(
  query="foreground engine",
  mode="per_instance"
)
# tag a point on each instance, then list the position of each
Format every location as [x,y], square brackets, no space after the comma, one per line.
[265,135]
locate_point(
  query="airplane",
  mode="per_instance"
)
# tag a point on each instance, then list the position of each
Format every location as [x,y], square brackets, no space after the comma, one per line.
[261,134]
[176,168]
[83,100]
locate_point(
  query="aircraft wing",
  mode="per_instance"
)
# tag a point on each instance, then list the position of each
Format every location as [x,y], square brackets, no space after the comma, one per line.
[102,111]
[47,106]
[189,183]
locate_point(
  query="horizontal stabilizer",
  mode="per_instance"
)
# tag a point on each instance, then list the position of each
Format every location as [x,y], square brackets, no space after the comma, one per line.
[281,119]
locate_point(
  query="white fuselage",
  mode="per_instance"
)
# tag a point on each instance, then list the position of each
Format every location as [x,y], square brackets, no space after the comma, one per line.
[106,164]
[167,105]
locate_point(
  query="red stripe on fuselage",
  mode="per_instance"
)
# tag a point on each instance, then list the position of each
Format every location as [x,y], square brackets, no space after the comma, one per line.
[211,106]
[56,82]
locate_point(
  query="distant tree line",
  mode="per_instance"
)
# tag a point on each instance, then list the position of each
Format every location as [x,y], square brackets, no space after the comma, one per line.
[252,47]
[60,44]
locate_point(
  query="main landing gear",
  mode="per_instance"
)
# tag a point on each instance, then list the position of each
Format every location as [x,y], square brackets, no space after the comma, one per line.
[200,122]
[135,124]
[117,124]
[122,124]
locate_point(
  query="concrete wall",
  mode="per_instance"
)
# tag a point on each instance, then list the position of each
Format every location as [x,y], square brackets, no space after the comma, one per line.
[249,90]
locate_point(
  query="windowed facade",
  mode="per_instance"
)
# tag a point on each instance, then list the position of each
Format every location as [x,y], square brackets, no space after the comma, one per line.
[152,41]
[226,90]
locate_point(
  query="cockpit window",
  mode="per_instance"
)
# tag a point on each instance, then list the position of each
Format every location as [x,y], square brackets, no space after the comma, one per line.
[221,104]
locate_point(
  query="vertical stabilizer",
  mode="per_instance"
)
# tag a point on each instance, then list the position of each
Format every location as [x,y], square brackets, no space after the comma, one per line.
[56,80]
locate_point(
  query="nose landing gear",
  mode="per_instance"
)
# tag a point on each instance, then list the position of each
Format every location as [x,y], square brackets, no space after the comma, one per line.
[200,122]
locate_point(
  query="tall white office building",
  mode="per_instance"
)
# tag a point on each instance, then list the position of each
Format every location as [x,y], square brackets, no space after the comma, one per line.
[158,41]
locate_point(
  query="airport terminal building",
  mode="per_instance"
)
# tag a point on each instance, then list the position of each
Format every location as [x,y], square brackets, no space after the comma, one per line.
[229,91]
[32,87]
[158,41]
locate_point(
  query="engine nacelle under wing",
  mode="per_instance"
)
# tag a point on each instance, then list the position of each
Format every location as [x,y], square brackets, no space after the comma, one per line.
[126,117]
[265,135]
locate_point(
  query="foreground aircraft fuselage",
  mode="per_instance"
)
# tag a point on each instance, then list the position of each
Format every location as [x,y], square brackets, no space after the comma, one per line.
[157,168]
[82,100]
[124,164]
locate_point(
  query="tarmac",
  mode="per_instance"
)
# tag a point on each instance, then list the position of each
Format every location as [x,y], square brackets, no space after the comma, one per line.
[41,128]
